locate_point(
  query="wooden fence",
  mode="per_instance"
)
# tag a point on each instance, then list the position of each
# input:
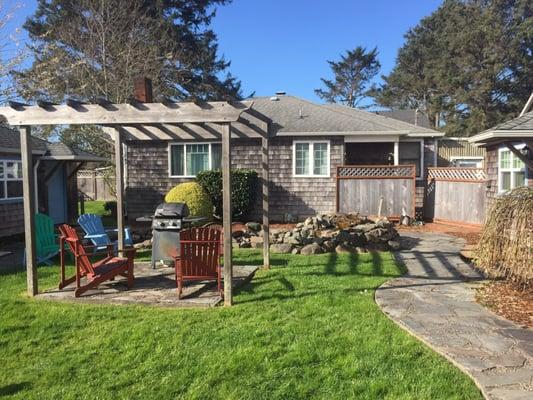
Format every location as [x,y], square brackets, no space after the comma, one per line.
[363,188]
[92,184]
[456,195]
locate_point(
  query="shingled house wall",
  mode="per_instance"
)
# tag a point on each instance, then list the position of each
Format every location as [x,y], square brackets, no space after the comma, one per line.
[11,211]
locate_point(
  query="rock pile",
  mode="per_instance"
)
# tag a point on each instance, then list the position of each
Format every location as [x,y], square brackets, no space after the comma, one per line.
[326,233]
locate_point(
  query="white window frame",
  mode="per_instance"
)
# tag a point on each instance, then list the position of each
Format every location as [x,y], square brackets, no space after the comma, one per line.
[477,159]
[170,145]
[512,170]
[5,179]
[422,165]
[311,159]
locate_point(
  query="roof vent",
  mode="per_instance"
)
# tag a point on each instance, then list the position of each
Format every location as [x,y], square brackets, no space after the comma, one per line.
[282,93]
[274,98]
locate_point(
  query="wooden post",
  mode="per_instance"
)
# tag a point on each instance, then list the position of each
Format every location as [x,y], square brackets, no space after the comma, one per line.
[29,210]
[265,182]
[226,213]
[396,152]
[120,187]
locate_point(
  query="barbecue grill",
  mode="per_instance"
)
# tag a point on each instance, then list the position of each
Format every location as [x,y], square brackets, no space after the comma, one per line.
[167,222]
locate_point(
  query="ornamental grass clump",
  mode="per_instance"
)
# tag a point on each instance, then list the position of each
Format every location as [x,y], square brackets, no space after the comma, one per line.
[505,249]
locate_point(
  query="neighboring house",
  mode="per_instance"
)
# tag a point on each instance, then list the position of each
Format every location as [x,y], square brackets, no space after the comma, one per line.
[509,160]
[415,117]
[459,152]
[56,195]
[307,142]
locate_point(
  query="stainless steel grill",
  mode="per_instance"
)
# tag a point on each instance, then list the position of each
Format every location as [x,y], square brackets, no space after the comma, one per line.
[167,223]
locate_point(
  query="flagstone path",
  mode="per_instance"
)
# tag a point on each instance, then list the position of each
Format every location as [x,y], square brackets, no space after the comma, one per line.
[435,302]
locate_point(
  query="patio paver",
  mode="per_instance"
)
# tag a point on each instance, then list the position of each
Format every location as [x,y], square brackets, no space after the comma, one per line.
[435,302]
[153,287]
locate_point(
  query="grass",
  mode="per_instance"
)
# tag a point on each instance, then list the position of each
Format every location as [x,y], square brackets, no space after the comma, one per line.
[97,207]
[308,328]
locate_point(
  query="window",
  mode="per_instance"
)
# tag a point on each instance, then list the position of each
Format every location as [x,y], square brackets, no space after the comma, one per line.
[411,153]
[10,180]
[467,162]
[187,160]
[511,170]
[311,158]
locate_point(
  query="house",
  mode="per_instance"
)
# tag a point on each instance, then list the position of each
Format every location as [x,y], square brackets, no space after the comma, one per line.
[55,165]
[459,152]
[307,143]
[509,159]
[414,117]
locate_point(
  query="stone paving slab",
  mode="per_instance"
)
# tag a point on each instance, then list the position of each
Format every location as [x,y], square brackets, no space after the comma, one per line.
[155,287]
[435,301]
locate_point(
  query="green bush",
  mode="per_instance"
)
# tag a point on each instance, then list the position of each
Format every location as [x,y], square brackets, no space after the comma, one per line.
[111,208]
[196,198]
[243,191]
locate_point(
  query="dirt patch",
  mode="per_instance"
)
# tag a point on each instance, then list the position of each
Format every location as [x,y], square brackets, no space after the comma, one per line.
[470,234]
[507,300]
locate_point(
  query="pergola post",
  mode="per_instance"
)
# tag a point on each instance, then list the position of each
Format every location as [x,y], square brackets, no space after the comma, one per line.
[265,183]
[29,210]
[226,213]
[119,171]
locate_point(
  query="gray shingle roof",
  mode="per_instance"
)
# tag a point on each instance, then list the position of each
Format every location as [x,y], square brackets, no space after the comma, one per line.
[409,116]
[293,114]
[525,122]
[10,139]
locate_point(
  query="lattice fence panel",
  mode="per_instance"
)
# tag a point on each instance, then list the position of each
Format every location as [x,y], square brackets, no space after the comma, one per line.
[371,171]
[457,174]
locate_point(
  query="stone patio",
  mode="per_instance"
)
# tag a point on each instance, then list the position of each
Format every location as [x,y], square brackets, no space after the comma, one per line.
[152,287]
[435,302]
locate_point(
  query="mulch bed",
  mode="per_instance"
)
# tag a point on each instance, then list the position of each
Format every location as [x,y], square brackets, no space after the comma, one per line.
[505,299]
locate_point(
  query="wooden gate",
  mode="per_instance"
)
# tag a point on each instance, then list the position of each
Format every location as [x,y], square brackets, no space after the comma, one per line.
[456,195]
[361,188]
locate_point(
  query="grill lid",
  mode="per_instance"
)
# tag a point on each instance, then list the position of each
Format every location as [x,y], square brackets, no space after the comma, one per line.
[171,210]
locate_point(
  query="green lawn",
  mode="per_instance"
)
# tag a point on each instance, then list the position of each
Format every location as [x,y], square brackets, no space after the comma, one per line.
[308,328]
[97,207]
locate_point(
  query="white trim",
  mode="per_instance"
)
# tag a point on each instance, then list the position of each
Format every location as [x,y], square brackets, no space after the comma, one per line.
[372,139]
[363,133]
[482,137]
[210,161]
[311,159]
[512,170]
[477,159]
[5,179]
[396,152]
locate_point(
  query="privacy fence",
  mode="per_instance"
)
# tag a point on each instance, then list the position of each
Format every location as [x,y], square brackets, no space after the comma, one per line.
[456,195]
[387,190]
[95,184]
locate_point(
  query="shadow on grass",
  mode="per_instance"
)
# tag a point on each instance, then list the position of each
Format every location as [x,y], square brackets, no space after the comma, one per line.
[14,388]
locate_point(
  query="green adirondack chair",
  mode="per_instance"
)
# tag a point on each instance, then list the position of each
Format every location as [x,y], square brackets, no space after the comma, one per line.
[46,243]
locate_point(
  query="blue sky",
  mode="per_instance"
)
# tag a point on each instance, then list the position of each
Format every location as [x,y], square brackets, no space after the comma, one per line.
[284,44]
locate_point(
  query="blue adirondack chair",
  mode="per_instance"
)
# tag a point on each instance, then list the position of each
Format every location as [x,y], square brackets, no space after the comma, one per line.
[97,234]
[46,243]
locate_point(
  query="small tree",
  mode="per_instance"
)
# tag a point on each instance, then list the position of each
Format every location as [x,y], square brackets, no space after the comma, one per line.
[353,74]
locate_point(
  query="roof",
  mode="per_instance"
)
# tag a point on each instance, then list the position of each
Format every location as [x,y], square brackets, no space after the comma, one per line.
[514,129]
[10,142]
[293,115]
[415,117]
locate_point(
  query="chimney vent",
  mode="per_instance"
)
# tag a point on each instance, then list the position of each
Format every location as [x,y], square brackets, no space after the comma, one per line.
[281,93]
[143,90]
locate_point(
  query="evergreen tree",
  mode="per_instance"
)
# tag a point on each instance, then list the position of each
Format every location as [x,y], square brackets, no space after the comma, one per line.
[352,75]
[469,63]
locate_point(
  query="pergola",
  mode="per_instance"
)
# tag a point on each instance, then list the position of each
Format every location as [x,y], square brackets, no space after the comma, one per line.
[139,120]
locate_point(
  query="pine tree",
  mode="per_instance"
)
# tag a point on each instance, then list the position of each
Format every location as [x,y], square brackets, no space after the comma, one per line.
[352,75]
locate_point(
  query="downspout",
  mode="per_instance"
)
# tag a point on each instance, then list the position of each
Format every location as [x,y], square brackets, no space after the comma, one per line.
[36,184]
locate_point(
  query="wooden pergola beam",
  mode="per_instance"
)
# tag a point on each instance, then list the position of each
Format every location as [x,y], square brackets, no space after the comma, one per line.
[119,181]
[123,114]
[519,154]
[226,214]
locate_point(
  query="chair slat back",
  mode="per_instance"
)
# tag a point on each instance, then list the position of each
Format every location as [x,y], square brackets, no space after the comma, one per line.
[74,243]
[200,252]
[44,232]
[92,225]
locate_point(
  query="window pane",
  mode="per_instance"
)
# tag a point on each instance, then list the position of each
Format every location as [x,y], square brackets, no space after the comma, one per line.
[505,159]
[506,180]
[1,171]
[302,159]
[517,163]
[519,179]
[197,158]
[2,190]
[320,151]
[176,160]
[12,170]
[216,156]
[14,189]
[410,154]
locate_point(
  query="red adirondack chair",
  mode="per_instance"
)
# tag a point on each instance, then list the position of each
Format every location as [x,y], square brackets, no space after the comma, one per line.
[103,270]
[199,257]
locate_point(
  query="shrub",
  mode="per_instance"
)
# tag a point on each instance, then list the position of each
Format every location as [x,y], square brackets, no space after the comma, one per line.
[196,198]
[243,190]
[505,249]
[111,207]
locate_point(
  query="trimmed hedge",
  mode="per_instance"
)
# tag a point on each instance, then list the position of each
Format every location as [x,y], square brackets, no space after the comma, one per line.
[196,198]
[243,191]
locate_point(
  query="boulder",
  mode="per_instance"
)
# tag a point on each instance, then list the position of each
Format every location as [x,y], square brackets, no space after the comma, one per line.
[253,226]
[283,248]
[343,249]
[296,250]
[313,248]
[394,245]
